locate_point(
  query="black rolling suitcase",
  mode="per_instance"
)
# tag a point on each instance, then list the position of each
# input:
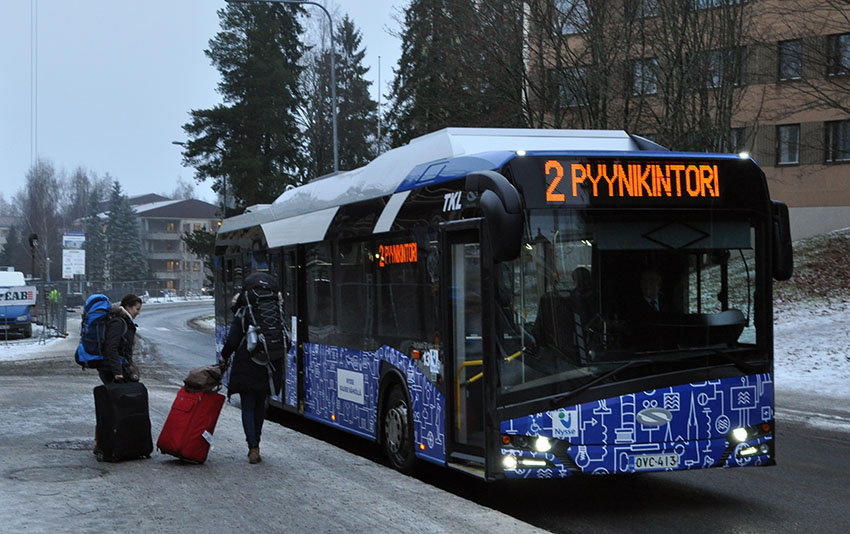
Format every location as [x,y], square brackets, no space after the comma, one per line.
[123,421]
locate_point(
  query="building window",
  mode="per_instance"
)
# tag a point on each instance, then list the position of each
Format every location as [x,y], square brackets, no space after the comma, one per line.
[196,266]
[573,91]
[724,66]
[196,227]
[736,140]
[172,265]
[645,76]
[838,58]
[642,8]
[705,4]
[838,141]
[790,60]
[788,144]
[170,227]
[732,143]
[572,15]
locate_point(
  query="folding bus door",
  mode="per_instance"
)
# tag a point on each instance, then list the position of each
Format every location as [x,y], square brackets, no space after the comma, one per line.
[465,345]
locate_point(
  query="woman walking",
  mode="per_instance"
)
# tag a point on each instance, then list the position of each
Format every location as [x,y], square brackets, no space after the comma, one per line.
[251,378]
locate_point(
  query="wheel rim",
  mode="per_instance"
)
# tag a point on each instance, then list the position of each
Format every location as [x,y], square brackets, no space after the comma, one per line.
[396,428]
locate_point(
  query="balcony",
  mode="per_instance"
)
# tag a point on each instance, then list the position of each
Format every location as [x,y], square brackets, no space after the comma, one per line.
[174,255]
[166,236]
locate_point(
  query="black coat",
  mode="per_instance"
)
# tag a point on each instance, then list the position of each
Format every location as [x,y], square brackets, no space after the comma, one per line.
[245,375]
[118,341]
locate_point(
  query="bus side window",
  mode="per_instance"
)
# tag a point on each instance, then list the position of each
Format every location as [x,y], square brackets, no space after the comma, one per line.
[319,282]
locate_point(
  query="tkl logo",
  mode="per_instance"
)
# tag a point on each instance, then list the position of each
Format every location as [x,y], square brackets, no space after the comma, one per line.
[451,201]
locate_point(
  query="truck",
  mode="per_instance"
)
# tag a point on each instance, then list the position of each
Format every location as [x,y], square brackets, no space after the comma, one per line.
[17,304]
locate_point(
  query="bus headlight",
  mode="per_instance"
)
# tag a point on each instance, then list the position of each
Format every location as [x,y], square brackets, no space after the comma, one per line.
[750,433]
[739,434]
[542,444]
[509,462]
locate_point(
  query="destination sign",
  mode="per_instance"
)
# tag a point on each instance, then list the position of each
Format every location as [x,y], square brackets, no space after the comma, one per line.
[630,179]
[398,253]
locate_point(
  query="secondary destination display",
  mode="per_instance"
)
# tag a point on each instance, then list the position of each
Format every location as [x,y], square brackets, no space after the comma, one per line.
[607,179]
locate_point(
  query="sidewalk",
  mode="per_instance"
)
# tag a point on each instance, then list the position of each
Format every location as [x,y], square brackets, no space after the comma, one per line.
[51,482]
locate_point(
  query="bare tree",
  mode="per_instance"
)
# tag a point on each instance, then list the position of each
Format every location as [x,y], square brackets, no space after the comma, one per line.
[183,190]
[38,203]
[672,69]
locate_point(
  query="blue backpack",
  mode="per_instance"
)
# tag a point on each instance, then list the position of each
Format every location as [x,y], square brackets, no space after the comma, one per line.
[92,331]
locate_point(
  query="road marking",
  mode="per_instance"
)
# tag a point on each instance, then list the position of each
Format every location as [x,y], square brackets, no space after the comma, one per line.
[821,420]
[162,328]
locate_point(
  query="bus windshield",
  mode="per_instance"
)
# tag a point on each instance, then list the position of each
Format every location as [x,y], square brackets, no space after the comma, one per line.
[592,292]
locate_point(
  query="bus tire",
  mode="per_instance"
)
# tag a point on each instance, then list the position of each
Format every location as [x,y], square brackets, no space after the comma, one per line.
[397,429]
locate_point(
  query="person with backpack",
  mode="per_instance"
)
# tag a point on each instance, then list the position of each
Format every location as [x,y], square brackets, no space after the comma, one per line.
[118,342]
[107,342]
[256,342]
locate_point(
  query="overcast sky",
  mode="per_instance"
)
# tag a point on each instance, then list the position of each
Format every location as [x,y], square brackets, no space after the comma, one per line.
[115,82]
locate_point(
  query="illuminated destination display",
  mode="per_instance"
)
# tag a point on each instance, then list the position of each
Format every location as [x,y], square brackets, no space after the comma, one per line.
[631,179]
[399,253]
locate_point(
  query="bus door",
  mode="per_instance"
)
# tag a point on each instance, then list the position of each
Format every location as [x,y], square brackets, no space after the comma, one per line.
[291,280]
[464,320]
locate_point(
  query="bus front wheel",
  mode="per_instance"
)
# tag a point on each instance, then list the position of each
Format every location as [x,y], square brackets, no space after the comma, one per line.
[398,431]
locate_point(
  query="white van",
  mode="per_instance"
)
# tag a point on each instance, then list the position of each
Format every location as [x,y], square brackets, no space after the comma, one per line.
[15,318]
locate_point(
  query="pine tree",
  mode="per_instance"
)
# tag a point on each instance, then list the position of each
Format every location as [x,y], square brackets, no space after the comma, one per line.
[356,114]
[438,82]
[250,144]
[126,260]
[16,252]
[95,244]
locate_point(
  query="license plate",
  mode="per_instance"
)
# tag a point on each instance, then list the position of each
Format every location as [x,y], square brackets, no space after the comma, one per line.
[668,460]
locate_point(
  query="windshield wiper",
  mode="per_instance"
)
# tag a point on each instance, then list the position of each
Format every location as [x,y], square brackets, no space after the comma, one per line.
[560,398]
[729,355]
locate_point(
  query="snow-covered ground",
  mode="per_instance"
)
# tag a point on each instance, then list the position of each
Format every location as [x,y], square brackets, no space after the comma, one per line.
[812,345]
[15,349]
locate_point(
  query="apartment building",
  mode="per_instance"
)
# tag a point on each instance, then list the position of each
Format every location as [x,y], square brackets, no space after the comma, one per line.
[802,135]
[776,72]
[162,222]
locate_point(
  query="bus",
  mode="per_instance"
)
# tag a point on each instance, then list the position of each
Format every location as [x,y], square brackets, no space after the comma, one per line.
[477,299]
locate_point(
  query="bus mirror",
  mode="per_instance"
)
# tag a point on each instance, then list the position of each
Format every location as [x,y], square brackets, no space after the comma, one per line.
[502,209]
[783,256]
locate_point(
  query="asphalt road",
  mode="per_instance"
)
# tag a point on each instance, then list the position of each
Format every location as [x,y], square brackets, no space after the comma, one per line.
[806,491]
[172,341]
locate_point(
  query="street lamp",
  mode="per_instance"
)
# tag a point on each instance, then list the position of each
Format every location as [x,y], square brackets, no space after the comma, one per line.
[333,61]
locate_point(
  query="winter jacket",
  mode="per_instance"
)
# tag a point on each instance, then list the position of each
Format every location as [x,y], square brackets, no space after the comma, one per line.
[245,375]
[118,341]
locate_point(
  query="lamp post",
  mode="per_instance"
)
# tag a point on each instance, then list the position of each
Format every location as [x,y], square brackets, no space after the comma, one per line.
[333,62]
[223,185]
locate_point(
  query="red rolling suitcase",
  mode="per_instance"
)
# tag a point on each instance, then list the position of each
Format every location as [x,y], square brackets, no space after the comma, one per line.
[188,430]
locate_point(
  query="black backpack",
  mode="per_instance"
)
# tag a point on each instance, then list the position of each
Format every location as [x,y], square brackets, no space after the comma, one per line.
[266,336]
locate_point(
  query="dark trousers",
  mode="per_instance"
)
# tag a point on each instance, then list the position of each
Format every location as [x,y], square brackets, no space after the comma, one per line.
[253,415]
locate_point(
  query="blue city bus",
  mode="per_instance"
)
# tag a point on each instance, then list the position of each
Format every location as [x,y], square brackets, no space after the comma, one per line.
[477,299]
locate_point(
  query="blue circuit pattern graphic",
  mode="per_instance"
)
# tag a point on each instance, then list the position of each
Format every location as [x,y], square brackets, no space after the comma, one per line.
[341,390]
[605,436]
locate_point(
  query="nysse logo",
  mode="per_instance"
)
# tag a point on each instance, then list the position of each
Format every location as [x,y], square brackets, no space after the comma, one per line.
[631,179]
